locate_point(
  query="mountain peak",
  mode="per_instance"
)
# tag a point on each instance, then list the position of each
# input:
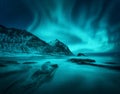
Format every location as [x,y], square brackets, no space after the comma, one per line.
[54,42]
[57,40]
[16,41]
[60,47]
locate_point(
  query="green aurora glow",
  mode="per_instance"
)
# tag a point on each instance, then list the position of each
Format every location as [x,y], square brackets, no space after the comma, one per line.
[84,28]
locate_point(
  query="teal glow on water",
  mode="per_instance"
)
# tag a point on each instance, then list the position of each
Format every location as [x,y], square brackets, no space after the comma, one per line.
[68,77]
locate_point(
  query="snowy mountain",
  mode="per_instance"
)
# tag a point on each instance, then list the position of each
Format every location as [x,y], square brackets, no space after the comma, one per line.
[15,41]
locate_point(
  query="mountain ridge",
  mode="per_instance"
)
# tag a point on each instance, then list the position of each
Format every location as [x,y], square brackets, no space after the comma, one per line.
[21,41]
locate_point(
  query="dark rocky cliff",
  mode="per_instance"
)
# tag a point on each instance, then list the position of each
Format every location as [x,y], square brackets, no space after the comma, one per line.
[20,41]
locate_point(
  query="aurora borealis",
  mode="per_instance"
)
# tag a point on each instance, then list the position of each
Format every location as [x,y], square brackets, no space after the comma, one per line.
[84,25]
[59,46]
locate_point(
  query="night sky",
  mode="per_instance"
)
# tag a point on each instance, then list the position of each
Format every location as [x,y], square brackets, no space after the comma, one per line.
[83,25]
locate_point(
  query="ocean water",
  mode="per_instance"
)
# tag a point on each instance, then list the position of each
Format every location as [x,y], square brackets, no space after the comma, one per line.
[106,59]
[68,78]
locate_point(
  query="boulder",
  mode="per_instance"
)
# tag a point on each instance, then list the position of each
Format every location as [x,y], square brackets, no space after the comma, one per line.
[81,54]
[81,61]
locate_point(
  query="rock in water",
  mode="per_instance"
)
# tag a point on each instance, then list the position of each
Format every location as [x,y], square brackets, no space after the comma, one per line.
[41,76]
[81,61]
[46,69]
[80,54]
[18,42]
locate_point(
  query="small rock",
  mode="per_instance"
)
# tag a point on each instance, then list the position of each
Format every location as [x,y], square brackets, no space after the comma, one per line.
[81,61]
[3,65]
[8,62]
[81,54]
[46,68]
[29,62]
[110,62]
[55,65]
